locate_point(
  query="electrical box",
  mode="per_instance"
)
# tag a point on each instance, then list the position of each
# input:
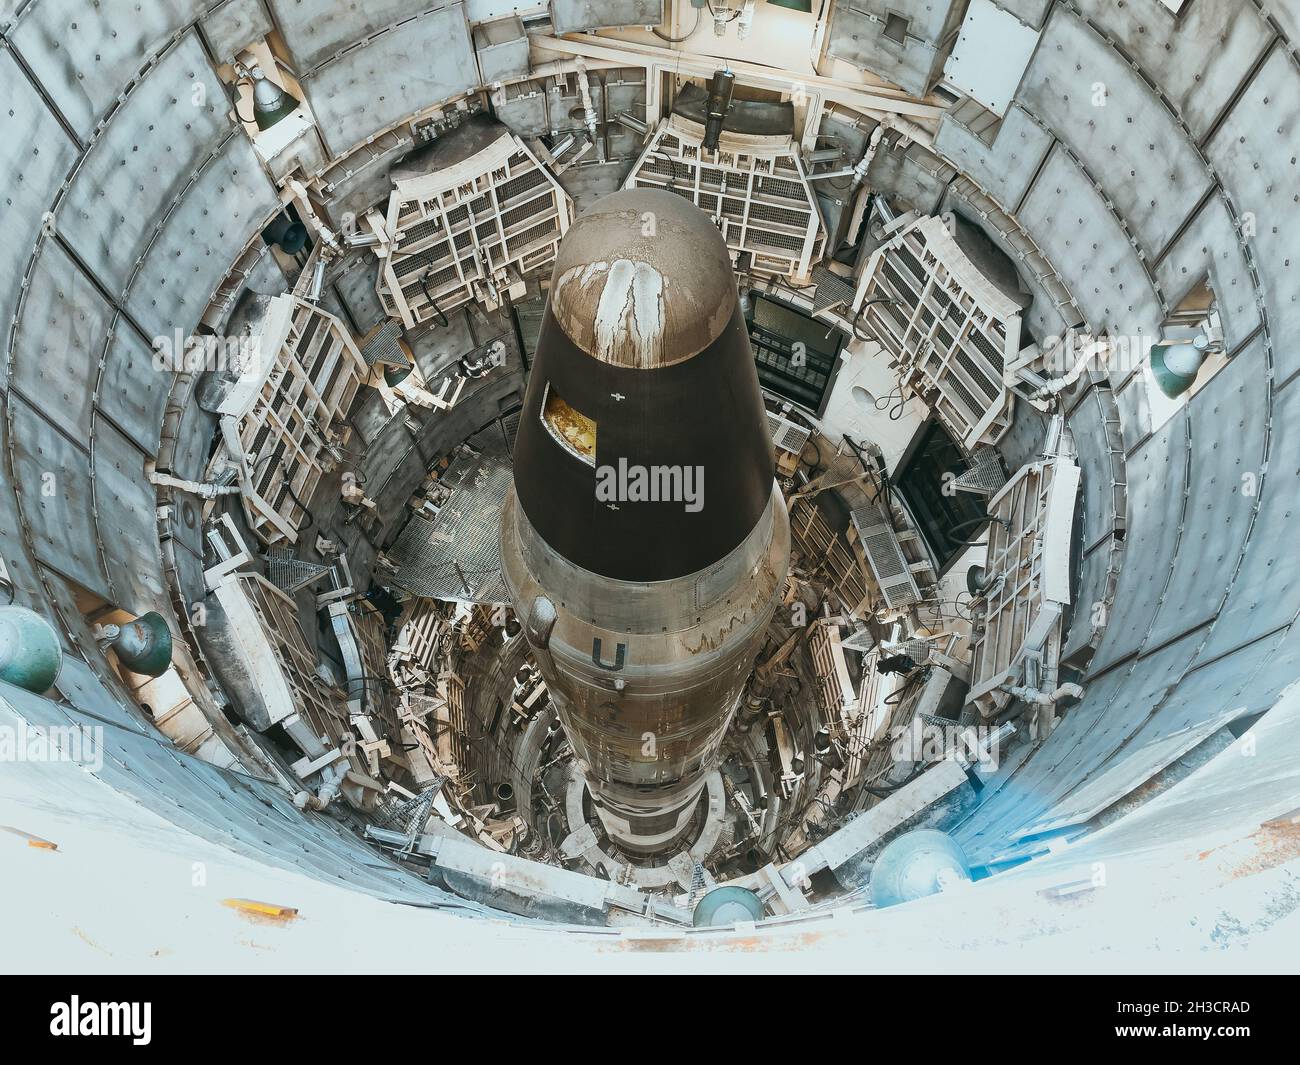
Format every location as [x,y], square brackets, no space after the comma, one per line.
[502,47]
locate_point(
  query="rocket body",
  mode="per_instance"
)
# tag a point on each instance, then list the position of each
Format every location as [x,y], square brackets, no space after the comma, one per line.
[644,542]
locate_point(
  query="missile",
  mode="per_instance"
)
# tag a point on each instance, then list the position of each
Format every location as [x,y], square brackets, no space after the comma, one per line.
[644,541]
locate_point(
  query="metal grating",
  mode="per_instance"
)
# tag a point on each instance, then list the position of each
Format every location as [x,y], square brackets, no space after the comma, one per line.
[832,290]
[457,555]
[288,573]
[1028,570]
[773,220]
[469,231]
[859,640]
[879,543]
[985,475]
[786,435]
[947,329]
[288,411]
[382,348]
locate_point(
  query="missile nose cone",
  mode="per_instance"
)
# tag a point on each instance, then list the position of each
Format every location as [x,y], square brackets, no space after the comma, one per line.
[643,452]
[643,280]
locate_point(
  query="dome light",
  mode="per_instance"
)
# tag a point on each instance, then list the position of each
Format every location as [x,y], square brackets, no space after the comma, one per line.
[30,655]
[1175,366]
[270,102]
[144,645]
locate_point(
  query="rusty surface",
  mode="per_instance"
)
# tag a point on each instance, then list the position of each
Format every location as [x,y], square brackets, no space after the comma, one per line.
[643,279]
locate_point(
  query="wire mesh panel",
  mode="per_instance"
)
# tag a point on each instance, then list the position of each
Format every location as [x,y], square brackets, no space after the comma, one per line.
[947,329]
[753,187]
[828,555]
[1026,583]
[484,218]
[879,543]
[282,688]
[457,554]
[288,411]
[837,700]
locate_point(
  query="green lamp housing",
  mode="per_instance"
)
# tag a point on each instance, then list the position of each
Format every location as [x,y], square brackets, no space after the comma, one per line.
[270,102]
[395,375]
[144,645]
[1175,366]
[794,5]
[30,655]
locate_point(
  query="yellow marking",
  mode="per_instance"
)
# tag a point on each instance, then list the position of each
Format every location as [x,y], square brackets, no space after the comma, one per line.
[32,841]
[253,908]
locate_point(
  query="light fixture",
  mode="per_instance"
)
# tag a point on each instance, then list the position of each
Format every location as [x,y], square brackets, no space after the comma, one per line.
[719,104]
[1175,366]
[726,905]
[794,5]
[917,863]
[395,375]
[30,655]
[977,581]
[288,235]
[144,645]
[270,102]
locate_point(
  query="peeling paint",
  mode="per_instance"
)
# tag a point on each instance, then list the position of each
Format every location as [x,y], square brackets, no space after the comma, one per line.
[629,313]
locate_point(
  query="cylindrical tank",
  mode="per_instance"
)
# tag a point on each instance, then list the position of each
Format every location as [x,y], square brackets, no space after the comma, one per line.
[644,543]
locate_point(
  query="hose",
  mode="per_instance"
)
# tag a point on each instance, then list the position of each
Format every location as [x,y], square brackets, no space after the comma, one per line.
[678,40]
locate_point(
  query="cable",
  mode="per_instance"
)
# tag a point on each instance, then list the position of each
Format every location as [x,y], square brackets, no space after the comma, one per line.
[857,318]
[913,679]
[678,40]
[734,14]
[424,284]
[885,491]
[895,402]
[1005,523]
[288,484]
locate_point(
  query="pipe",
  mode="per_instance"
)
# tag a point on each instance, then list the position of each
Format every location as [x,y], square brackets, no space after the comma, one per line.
[630,121]
[554,98]
[858,172]
[602,146]
[588,109]
[887,119]
[1035,697]
[332,777]
[317,281]
[204,491]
